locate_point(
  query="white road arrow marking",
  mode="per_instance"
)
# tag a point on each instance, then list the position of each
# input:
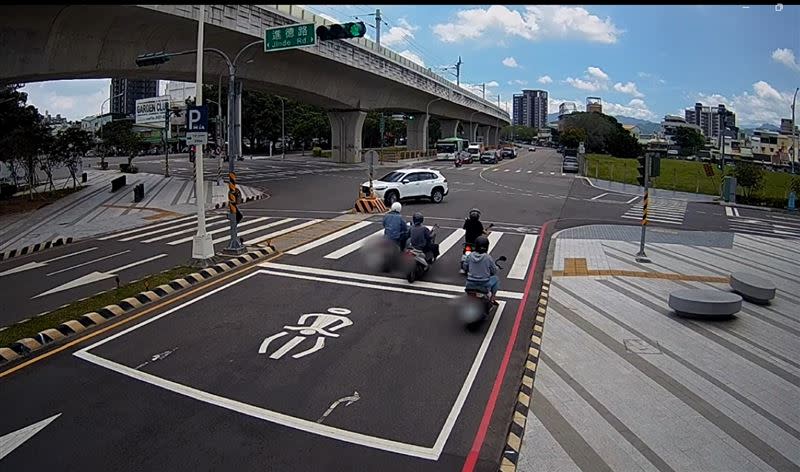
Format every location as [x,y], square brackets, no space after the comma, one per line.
[97,276]
[36,264]
[15,439]
[350,400]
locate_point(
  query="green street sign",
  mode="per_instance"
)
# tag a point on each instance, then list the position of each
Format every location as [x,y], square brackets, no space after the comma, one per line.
[289,37]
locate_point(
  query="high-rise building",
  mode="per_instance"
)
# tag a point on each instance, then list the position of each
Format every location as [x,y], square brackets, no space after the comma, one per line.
[594,104]
[708,119]
[125,92]
[530,109]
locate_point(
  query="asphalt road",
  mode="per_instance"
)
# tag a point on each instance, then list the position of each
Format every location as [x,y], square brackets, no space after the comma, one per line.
[312,361]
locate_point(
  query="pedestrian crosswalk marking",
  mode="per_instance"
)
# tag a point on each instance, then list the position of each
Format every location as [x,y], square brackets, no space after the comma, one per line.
[136,230]
[494,236]
[451,240]
[170,232]
[660,211]
[520,266]
[328,238]
[283,231]
[352,247]
[255,230]
[217,231]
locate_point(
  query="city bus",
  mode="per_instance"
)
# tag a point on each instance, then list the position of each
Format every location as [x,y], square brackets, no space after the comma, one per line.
[448,148]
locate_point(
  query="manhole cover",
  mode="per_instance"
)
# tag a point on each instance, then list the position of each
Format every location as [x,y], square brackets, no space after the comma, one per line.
[640,346]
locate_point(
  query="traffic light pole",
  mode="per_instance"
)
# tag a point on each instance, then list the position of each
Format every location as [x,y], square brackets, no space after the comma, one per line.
[641,256]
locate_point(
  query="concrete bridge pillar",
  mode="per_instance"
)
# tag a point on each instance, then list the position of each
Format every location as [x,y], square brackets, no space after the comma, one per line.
[346,127]
[449,128]
[483,132]
[472,132]
[417,132]
[493,135]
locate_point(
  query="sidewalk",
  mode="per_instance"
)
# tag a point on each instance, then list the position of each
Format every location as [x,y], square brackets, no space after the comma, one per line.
[623,384]
[629,189]
[95,210]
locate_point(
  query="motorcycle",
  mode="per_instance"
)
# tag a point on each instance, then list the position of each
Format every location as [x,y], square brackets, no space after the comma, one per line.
[418,262]
[382,254]
[476,306]
[468,248]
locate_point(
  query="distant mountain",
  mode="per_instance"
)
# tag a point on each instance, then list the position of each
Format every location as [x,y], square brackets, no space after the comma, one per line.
[645,127]
[749,130]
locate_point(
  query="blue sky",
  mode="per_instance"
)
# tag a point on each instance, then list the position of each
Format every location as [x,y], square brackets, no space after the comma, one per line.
[644,61]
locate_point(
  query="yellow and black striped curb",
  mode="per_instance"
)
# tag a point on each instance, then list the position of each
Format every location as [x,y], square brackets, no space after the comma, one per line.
[24,347]
[516,430]
[34,248]
[251,198]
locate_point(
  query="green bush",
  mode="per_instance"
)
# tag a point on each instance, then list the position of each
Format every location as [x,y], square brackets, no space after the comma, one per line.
[326,154]
[7,190]
[316,152]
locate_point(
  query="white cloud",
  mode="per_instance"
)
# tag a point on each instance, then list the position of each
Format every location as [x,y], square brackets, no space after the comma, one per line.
[517,82]
[545,79]
[553,104]
[765,105]
[597,73]
[477,89]
[636,108]
[629,88]
[493,83]
[581,84]
[786,57]
[398,34]
[412,57]
[531,23]
[72,99]
[510,62]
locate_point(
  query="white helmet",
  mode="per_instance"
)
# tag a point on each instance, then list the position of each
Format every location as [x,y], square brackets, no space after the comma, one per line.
[396,206]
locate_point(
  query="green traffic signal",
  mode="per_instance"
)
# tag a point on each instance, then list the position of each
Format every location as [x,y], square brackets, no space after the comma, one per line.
[344,31]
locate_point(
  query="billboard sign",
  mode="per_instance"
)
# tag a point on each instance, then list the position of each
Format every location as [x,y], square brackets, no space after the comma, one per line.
[152,110]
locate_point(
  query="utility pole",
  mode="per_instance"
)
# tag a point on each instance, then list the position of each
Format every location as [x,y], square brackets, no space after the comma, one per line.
[458,71]
[378,26]
[794,131]
[483,86]
[641,256]
[202,245]
[498,99]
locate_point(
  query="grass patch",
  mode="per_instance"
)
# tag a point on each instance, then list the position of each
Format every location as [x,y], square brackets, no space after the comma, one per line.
[77,309]
[683,176]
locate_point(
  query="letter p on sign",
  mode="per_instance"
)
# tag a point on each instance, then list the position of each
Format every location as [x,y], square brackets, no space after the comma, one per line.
[197,119]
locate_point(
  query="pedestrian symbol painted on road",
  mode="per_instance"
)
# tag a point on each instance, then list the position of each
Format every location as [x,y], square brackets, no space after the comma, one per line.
[323,326]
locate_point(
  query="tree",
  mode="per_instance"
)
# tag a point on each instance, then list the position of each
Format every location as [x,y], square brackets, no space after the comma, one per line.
[689,139]
[749,176]
[523,133]
[623,144]
[69,146]
[21,133]
[603,134]
[572,137]
[307,124]
[120,136]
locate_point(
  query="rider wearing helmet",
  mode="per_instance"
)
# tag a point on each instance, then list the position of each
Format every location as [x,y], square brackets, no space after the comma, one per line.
[481,269]
[395,228]
[473,226]
[422,238]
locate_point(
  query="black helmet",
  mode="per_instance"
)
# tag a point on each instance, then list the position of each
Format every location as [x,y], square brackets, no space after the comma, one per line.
[474,214]
[417,218]
[482,244]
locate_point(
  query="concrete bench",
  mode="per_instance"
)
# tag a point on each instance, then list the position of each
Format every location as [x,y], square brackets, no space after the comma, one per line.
[752,287]
[706,303]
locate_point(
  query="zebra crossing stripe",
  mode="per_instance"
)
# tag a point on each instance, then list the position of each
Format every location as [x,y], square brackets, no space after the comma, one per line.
[494,236]
[136,230]
[218,230]
[520,266]
[451,240]
[170,230]
[283,231]
[339,253]
[254,230]
[328,238]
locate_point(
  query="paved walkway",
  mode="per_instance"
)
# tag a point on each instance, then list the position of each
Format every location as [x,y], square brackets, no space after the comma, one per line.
[95,210]
[629,189]
[623,384]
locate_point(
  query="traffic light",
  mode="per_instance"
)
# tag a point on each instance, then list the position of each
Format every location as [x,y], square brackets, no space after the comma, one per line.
[151,59]
[355,29]
[641,166]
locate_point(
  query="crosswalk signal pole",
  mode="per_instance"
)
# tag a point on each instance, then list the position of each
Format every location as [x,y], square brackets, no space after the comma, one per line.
[641,256]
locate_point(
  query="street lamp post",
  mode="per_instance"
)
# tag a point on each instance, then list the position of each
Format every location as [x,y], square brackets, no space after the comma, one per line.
[283,128]
[102,105]
[234,126]
[427,119]
[794,130]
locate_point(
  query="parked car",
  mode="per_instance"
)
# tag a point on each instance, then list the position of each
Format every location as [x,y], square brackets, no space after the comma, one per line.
[409,183]
[489,157]
[508,153]
[569,164]
[468,157]
[532,149]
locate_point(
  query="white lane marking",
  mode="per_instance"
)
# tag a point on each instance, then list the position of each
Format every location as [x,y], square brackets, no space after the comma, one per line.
[192,227]
[495,170]
[520,267]
[380,279]
[553,173]
[530,171]
[494,236]
[430,453]
[632,199]
[450,241]
[14,439]
[563,174]
[146,228]
[349,401]
[283,231]
[339,253]
[215,231]
[518,171]
[168,229]
[599,196]
[728,211]
[37,264]
[541,173]
[89,262]
[96,276]
[506,170]
[736,211]
[253,230]
[328,238]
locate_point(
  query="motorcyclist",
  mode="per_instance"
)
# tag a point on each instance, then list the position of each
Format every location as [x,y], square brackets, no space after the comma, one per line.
[482,270]
[422,238]
[473,226]
[395,228]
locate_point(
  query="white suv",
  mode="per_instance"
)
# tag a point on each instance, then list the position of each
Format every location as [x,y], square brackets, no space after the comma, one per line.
[409,183]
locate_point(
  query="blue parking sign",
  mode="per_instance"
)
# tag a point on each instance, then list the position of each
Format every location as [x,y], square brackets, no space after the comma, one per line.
[197,119]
